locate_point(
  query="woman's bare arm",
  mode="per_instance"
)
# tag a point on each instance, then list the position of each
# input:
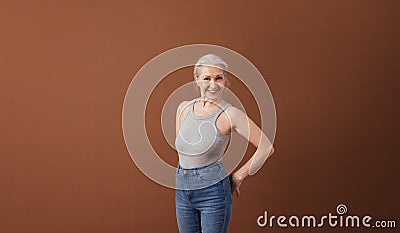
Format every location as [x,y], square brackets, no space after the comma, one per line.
[245,127]
[180,112]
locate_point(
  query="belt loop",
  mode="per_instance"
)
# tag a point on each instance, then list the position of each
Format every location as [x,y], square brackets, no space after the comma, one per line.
[219,165]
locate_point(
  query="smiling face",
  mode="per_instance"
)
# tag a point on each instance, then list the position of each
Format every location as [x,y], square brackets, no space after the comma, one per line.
[211,81]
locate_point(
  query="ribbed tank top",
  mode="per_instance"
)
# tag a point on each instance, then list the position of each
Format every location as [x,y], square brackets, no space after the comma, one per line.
[199,142]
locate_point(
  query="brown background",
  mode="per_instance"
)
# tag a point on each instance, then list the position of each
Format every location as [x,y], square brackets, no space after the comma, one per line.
[65,66]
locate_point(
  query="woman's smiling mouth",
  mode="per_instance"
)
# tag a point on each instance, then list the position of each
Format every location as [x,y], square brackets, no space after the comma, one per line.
[213,91]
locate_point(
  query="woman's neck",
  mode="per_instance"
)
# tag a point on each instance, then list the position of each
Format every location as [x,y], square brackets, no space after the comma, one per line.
[206,103]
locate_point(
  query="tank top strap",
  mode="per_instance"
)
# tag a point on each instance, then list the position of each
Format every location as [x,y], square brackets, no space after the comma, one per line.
[221,109]
[191,108]
[213,115]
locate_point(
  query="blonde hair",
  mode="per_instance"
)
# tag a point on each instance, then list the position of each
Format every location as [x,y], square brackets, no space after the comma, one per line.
[210,60]
[213,61]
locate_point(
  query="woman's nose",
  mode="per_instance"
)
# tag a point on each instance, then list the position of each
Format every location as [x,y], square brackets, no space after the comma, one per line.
[212,84]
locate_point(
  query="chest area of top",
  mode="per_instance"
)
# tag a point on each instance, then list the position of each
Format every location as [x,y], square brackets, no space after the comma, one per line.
[200,110]
[214,115]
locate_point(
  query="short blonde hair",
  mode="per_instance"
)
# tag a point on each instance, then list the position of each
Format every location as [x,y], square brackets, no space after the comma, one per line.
[210,60]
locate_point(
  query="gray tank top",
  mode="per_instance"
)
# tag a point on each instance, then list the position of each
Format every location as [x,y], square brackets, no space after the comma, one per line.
[199,142]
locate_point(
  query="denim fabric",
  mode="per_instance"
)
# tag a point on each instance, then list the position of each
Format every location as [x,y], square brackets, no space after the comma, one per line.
[206,209]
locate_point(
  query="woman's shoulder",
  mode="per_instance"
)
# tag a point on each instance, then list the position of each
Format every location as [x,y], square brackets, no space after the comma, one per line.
[230,109]
[184,104]
[234,112]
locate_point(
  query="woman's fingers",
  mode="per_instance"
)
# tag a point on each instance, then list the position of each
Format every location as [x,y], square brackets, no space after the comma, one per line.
[235,184]
[237,191]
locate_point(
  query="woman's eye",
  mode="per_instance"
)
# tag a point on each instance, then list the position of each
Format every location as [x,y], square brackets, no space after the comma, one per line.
[206,78]
[219,78]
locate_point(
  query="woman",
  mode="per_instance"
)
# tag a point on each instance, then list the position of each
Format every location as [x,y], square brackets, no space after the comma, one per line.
[203,126]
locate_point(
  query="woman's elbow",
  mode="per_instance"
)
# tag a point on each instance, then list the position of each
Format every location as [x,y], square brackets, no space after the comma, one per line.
[267,150]
[272,151]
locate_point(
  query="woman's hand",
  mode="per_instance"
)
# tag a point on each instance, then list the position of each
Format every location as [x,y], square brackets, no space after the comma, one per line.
[236,181]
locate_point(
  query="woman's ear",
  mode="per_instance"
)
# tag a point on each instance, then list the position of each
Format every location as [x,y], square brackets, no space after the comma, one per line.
[227,81]
[196,79]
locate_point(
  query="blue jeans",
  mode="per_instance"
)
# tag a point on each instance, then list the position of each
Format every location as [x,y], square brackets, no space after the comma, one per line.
[203,199]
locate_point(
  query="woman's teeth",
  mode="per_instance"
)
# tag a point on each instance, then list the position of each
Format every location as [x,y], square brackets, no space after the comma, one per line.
[212,91]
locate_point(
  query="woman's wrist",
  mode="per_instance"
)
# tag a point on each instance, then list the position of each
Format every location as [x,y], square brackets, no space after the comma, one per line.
[242,173]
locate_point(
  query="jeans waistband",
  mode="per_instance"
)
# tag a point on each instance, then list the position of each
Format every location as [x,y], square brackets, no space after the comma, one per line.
[180,169]
[194,178]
